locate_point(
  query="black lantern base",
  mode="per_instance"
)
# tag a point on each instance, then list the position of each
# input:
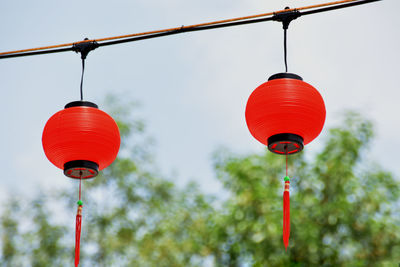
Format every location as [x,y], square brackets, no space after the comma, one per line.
[285,143]
[81,169]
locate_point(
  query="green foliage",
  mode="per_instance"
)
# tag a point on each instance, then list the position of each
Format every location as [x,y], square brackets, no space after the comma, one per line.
[9,233]
[344,211]
[338,218]
[45,237]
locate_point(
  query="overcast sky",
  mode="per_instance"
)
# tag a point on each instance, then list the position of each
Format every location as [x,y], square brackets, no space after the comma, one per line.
[192,87]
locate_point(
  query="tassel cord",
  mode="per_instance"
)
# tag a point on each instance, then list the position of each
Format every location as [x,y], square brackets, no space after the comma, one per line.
[78,225]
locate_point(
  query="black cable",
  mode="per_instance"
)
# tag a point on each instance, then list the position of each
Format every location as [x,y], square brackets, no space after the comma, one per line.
[34,53]
[324,9]
[83,71]
[144,37]
[285,48]
[200,28]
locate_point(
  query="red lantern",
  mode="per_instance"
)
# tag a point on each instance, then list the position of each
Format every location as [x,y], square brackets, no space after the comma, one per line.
[285,113]
[81,139]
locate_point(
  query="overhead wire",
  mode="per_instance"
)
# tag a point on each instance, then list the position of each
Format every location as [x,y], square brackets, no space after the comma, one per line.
[190,28]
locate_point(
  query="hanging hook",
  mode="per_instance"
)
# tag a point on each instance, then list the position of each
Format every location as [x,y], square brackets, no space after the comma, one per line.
[286,17]
[84,47]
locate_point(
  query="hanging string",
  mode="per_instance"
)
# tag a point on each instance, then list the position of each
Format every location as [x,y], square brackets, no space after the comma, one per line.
[286,161]
[83,71]
[286,207]
[80,187]
[78,225]
[285,49]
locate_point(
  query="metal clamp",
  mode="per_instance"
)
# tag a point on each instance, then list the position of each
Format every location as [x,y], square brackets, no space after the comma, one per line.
[84,47]
[286,17]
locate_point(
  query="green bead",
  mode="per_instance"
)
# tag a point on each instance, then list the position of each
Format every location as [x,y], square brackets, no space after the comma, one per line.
[80,203]
[287,178]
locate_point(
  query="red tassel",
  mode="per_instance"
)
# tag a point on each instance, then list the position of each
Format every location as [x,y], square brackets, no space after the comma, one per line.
[78,234]
[286,213]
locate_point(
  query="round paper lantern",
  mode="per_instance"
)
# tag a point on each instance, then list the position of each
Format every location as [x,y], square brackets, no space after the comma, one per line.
[285,113]
[81,139]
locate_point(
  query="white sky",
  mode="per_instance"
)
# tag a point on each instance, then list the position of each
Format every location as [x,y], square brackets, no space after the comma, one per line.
[193,87]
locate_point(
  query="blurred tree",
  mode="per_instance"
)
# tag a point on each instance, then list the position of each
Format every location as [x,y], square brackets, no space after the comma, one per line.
[10,234]
[46,248]
[344,211]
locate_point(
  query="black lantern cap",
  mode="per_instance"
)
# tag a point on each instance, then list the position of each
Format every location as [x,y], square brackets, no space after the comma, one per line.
[81,169]
[285,143]
[285,75]
[81,103]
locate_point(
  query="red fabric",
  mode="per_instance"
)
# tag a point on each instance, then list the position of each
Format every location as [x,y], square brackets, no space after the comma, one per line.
[286,215]
[81,133]
[285,106]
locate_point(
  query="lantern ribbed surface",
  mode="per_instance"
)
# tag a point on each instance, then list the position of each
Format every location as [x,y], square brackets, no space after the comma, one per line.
[81,133]
[285,105]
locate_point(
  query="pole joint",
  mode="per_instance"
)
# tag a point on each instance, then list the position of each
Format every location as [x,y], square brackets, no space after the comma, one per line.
[286,17]
[84,47]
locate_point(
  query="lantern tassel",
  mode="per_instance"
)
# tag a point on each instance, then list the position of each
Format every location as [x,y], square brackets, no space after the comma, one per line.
[286,213]
[78,224]
[78,233]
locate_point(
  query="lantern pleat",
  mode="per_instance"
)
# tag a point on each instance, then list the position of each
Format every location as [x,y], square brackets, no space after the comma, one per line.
[81,133]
